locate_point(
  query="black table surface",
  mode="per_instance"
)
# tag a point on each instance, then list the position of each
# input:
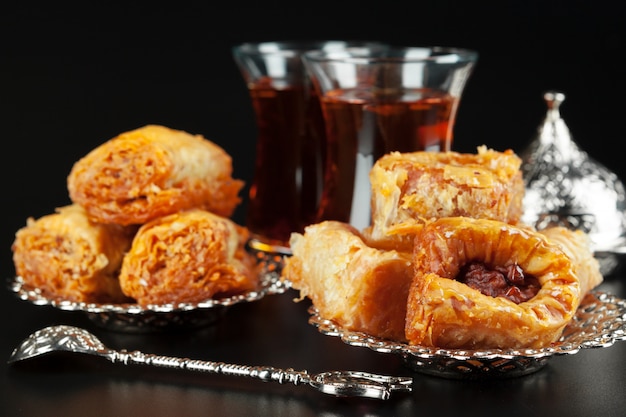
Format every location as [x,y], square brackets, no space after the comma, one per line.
[274,331]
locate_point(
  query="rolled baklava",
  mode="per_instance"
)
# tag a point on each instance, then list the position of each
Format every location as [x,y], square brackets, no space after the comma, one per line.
[67,255]
[151,172]
[188,257]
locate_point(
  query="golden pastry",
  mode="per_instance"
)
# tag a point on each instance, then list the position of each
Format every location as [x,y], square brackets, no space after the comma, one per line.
[151,172]
[359,287]
[66,255]
[577,245]
[411,188]
[483,284]
[188,257]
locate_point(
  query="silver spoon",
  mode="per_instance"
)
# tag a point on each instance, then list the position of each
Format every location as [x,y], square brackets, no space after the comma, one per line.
[339,383]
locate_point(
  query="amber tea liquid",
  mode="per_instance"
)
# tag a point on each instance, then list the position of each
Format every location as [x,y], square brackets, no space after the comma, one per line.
[363,126]
[288,174]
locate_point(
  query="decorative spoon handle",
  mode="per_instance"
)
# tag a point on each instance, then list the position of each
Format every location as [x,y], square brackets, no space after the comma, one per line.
[340,383]
[264,373]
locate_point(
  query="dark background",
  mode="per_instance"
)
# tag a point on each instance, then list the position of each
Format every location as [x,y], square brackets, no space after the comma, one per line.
[74,77]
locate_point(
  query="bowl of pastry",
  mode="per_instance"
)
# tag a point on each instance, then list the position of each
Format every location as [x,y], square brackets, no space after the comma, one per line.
[147,242]
[448,277]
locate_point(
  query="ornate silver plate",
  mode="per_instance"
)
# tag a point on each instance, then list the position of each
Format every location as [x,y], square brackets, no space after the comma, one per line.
[599,322]
[138,319]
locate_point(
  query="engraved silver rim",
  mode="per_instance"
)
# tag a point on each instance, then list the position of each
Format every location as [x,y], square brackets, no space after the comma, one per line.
[600,321]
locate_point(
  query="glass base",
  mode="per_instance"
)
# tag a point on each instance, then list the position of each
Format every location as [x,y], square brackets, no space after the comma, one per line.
[257,245]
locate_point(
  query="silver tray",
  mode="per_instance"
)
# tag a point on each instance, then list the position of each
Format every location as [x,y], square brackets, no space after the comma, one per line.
[135,318]
[599,322]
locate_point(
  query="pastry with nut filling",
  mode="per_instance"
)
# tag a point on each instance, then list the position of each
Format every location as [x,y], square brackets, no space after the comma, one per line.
[188,257]
[151,172]
[409,189]
[69,256]
[482,284]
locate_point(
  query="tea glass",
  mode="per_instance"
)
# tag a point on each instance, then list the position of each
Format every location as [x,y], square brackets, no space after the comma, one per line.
[375,101]
[290,157]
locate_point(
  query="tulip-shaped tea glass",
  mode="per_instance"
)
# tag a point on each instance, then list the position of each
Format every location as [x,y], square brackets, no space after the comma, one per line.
[376,101]
[290,150]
